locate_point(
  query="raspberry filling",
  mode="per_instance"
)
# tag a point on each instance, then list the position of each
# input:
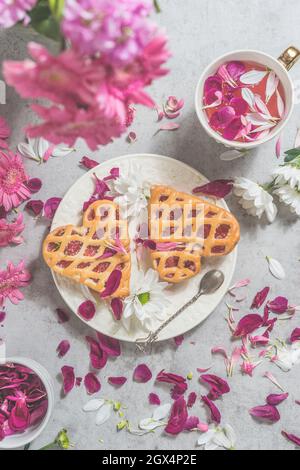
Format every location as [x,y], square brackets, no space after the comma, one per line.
[172,262]
[101,267]
[73,248]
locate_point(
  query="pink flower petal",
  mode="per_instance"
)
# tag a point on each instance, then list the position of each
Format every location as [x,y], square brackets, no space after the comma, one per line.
[63,348]
[179,340]
[248,324]
[68,378]
[178,381]
[239,105]
[292,438]
[222,118]
[191,423]
[232,129]
[178,417]
[19,417]
[109,345]
[132,137]
[88,163]
[36,207]
[214,411]
[217,188]
[273,379]
[260,298]
[112,284]
[203,427]
[51,206]
[117,308]
[170,126]
[235,69]
[2,317]
[63,317]
[218,386]
[142,374]
[276,399]
[191,399]
[117,381]
[239,284]
[91,383]
[34,185]
[98,357]
[295,336]
[278,147]
[154,399]
[87,310]
[212,83]
[265,412]
[203,370]
[78,381]
[279,305]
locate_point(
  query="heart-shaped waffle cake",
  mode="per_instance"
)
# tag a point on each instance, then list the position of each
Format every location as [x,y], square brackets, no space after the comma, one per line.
[185,228]
[89,254]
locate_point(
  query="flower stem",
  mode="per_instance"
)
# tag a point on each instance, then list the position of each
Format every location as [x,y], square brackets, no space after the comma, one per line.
[156,6]
[48,446]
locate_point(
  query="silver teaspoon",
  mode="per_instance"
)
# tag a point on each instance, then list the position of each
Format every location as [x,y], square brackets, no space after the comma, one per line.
[209,284]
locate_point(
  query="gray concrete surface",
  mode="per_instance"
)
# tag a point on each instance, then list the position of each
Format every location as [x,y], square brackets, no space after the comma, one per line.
[199,30]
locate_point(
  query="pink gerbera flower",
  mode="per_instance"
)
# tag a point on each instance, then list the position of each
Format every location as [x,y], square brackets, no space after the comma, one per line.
[10,232]
[4,132]
[13,11]
[11,280]
[12,181]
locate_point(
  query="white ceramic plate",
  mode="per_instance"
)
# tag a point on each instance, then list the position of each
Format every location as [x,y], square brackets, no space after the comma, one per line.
[158,170]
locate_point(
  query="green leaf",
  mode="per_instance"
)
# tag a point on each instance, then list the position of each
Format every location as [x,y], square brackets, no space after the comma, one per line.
[57,8]
[144,298]
[291,155]
[43,21]
[156,6]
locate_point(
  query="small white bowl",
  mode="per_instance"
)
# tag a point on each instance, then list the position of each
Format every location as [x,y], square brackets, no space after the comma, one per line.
[246,56]
[22,439]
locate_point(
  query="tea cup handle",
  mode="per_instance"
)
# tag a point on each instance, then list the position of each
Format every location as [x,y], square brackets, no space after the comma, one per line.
[289,57]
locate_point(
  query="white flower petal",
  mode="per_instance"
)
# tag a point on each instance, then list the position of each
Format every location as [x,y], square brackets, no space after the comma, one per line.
[253,77]
[276,268]
[161,412]
[62,151]
[230,155]
[149,424]
[27,151]
[206,437]
[103,414]
[93,404]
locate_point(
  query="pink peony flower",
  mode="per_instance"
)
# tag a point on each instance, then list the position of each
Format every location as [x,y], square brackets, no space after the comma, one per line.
[96,106]
[13,189]
[11,12]
[117,29]
[11,280]
[4,132]
[10,232]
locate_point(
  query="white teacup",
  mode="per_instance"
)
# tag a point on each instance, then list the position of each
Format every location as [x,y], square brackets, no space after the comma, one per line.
[280,66]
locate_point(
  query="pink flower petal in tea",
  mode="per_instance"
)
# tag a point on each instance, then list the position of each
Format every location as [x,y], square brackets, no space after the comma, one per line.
[217,188]
[63,317]
[278,305]
[36,207]
[179,340]
[222,118]
[51,206]
[154,399]
[117,308]
[87,310]
[276,399]
[260,298]
[292,438]
[91,383]
[112,283]
[212,83]
[98,357]
[110,346]
[178,417]
[272,85]
[214,410]
[68,378]
[213,99]
[239,105]
[248,324]
[265,412]
[295,336]
[226,77]
[142,374]
[63,348]
[233,128]
[280,105]
[19,417]
[191,399]
[236,69]
[34,185]
[117,381]
[88,163]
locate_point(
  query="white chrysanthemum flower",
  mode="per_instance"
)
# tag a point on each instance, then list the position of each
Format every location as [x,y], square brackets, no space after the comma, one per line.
[218,437]
[290,197]
[255,199]
[287,174]
[132,192]
[148,300]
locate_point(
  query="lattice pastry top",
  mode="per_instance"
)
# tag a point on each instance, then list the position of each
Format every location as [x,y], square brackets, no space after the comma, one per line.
[88,254]
[194,227]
